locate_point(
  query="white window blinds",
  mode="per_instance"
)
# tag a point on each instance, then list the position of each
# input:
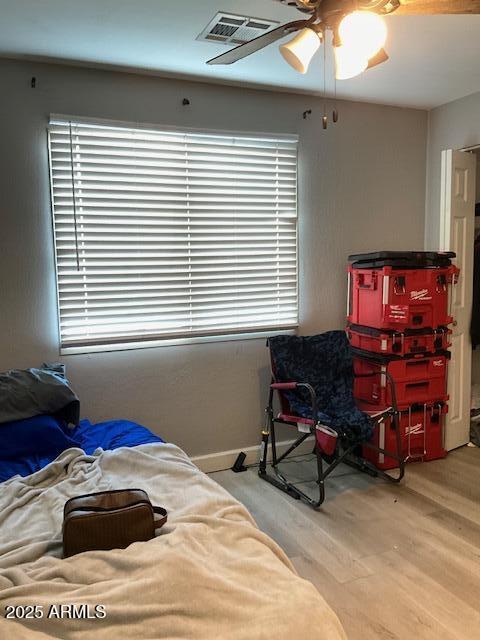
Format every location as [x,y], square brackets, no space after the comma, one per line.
[167,234]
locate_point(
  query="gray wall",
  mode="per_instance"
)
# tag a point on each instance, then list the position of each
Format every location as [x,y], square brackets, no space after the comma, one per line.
[361,188]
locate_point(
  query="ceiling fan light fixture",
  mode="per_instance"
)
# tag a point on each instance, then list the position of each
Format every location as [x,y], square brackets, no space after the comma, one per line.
[364,32]
[299,51]
[348,63]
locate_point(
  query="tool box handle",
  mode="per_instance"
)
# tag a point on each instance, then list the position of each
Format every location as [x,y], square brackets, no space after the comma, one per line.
[417,385]
[415,363]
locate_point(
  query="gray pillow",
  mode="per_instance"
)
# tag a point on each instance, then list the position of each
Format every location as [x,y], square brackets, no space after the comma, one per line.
[25,393]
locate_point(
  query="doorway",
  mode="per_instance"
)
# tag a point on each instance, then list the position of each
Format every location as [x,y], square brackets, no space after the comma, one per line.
[475,398]
[457,234]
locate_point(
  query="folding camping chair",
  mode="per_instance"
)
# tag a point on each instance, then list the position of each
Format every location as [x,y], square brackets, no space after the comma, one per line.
[314,376]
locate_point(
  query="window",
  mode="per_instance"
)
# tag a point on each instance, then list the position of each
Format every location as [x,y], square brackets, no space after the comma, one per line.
[171,234]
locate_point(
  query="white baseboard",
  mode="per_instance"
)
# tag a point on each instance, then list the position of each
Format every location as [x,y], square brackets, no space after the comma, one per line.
[225,459]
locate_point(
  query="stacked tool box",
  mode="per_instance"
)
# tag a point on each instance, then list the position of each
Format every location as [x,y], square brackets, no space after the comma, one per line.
[398,319]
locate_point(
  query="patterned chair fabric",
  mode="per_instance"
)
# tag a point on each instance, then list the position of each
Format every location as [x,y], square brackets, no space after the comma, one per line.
[325,362]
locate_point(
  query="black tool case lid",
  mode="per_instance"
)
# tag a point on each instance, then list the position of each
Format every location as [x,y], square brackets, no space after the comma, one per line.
[383,358]
[402,259]
[372,331]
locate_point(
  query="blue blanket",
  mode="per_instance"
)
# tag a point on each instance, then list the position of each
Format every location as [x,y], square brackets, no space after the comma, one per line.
[28,445]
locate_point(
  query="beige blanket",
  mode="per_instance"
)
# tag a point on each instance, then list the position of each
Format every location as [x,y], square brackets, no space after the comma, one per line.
[209,574]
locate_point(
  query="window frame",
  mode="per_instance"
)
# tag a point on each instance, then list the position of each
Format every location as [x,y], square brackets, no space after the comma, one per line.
[220,335]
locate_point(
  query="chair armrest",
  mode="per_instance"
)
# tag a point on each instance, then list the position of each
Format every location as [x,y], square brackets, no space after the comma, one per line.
[376,415]
[284,386]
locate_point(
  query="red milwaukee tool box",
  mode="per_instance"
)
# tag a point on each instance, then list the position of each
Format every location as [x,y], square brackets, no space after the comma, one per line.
[418,379]
[386,294]
[421,432]
[400,343]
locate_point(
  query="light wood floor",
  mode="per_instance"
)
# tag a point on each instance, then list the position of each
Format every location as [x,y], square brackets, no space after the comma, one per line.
[394,562]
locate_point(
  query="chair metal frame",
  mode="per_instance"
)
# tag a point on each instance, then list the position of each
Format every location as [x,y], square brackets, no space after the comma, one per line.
[346,455]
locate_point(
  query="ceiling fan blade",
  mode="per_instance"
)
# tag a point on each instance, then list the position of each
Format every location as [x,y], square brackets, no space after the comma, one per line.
[379,58]
[244,50]
[431,7]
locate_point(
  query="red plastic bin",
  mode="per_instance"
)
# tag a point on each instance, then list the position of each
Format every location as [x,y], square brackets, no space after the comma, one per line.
[403,343]
[421,432]
[394,298]
[417,379]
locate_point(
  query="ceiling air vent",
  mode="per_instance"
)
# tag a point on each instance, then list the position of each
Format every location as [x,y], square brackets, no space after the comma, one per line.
[232,29]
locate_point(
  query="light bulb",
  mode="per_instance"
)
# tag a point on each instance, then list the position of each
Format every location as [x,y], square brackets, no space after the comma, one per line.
[348,63]
[299,51]
[363,31]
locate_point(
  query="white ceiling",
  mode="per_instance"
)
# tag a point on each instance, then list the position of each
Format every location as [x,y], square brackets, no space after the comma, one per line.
[433,59]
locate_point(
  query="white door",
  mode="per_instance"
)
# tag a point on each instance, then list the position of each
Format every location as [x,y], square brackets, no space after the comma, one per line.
[457,229]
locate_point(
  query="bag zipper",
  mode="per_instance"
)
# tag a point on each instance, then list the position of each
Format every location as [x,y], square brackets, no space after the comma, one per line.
[109,509]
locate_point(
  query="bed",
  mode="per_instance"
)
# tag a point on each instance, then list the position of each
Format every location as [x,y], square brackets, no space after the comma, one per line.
[210,572]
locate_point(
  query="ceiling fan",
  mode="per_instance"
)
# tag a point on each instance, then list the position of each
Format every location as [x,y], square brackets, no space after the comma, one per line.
[359,31]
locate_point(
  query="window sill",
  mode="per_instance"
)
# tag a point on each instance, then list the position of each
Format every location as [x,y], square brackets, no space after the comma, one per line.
[173,342]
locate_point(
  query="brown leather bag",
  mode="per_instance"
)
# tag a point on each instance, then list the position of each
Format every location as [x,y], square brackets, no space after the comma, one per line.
[109,520]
